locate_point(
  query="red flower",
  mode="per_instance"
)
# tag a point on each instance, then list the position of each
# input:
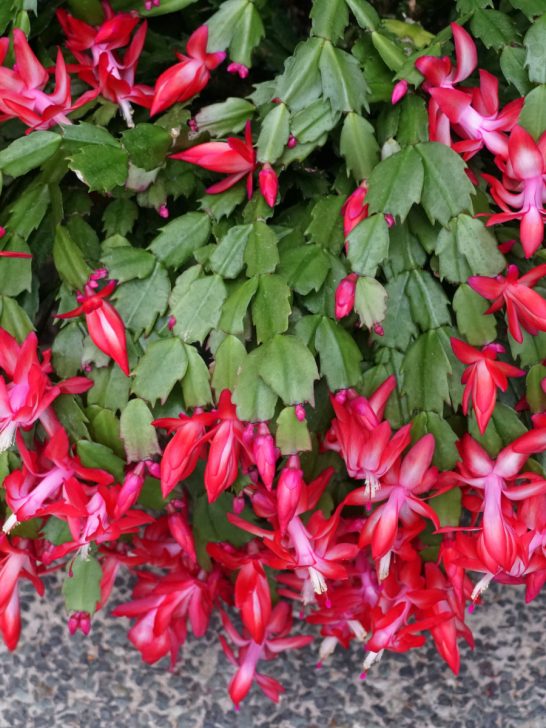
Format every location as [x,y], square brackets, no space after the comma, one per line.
[100,66]
[29,394]
[182,452]
[22,93]
[524,307]
[105,325]
[250,653]
[235,157]
[18,562]
[407,478]
[523,187]
[269,184]
[482,377]
[189,77]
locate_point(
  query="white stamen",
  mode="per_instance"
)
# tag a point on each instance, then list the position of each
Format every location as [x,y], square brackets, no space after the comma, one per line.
[327,647]
[7,436]
[384,566]
[10,523]
[481,586]
[319,584]
[372,486]
[371,659]
[127,113]
[358,630]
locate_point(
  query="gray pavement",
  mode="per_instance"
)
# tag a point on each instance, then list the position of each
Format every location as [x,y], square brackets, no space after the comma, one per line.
[76,682]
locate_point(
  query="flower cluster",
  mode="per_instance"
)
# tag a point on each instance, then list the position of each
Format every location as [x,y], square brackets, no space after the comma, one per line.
[238,445]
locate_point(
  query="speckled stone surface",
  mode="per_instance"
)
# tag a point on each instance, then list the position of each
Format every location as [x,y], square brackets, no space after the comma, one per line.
[54,680]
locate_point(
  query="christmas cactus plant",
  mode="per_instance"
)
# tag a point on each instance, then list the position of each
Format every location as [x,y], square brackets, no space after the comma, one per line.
[272,318]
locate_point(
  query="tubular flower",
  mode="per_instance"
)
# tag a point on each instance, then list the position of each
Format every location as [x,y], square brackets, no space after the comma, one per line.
[252,594]
[189,77]
[29,393]
[250,653]
[235,157]
[182,452]
[162,606]
[18,562]
[524,307]
[368,453]
[97,52]
[34,490]
[22,94]
[482,377]
[523,188]
[408,477]
[493,478]
[105,325]
[226,446]
[473,112]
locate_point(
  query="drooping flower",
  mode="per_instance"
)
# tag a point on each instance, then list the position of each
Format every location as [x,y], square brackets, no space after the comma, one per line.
[28,394]
[189,77]
[482,376]
[523,187]
[105,325]
[250,653]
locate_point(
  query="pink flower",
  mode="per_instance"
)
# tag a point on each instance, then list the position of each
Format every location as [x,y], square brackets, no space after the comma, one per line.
[523,188]
[182,452]
[189,77]
[482,377]
[226,443]
[100,66]
[408,477]
[22,93]
[524,307]
[18,562]
[105,325]
[29,393]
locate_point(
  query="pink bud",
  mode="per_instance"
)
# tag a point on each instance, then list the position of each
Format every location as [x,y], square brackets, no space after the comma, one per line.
[389,219]
[269,184]
[130,490]
[193,125]
[345,296]
[265,455]
[239,69]
[292,142]
[378,329]
[99,274]
[171,322]
[399,91]
[2,231]
[238,504]
[163,211]
[154,469]
[300,412]
[289,491]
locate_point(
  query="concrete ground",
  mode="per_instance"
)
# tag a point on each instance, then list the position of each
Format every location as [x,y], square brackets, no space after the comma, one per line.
[54,680]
